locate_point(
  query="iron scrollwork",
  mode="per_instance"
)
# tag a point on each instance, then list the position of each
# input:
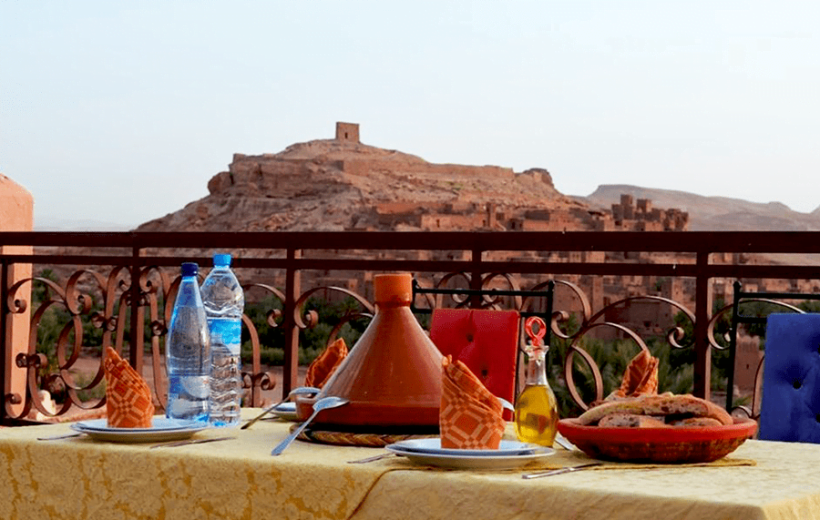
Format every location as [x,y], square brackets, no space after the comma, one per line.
[308,319]
[57,373]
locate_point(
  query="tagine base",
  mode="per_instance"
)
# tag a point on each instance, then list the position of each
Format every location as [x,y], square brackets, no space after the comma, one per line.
[372,439]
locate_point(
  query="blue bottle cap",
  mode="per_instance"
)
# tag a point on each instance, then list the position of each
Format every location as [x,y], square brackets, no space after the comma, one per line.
[222,260]
[189,269]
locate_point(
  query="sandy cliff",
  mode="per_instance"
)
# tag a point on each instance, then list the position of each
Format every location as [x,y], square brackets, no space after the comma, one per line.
[333,185]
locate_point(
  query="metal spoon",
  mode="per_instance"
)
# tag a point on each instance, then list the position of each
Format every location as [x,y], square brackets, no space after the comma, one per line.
[322,404]
[302,390]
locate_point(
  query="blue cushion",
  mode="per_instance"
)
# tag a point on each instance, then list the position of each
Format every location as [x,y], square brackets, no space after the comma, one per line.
[790,407]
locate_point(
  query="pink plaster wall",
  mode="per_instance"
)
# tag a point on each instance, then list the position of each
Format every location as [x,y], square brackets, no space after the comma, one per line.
[16,214]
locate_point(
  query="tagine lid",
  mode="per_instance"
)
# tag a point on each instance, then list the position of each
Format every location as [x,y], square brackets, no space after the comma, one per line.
[393,288]
[392,376]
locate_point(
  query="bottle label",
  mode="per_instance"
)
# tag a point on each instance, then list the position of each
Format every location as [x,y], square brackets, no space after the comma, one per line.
[225,332]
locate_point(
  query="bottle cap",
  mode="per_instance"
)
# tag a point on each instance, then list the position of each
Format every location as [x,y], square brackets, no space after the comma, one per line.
[222,260]
[395,288]
[189,269]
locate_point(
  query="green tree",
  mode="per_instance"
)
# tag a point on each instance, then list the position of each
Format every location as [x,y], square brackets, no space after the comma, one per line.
[313,340]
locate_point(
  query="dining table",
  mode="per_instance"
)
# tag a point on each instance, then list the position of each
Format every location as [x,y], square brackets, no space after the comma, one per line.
[46,474]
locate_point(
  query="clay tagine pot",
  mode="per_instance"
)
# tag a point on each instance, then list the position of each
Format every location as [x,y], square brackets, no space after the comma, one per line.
[392,376]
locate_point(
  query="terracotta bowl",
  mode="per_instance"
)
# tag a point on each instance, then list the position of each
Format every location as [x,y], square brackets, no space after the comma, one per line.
[658,444]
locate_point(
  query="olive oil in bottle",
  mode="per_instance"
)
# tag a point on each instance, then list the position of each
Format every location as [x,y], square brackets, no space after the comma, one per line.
[536,410]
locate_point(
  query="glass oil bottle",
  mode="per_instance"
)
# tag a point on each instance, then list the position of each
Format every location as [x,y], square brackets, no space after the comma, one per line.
[536,410]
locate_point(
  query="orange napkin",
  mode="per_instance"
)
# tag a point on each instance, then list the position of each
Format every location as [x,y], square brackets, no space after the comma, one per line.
[326,363]
[640,377]
[127,396]
[470,417]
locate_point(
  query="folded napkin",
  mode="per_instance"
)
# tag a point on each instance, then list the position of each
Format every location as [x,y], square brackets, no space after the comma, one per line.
[470,417]
[326,363]
[640,377]
[128,400]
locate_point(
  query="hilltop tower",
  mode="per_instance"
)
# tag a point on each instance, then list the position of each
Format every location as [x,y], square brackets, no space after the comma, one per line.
[348,132]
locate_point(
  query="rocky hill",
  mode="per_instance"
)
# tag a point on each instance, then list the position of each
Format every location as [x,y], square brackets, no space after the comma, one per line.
[713,213]
[342,184]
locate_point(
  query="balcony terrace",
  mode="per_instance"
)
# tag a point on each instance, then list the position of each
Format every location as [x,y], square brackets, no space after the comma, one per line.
[119,284]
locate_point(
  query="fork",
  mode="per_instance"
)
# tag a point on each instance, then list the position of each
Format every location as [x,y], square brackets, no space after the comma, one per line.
[561,471]
[190,441]
[371,459]
[57,437]
[564,443]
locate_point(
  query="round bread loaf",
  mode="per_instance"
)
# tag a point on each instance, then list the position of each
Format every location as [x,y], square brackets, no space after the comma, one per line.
[631,420]
[685,405]
[695,422]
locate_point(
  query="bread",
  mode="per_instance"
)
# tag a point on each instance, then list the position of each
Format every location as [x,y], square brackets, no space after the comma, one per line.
[696,422]
[678,406]
[631,420]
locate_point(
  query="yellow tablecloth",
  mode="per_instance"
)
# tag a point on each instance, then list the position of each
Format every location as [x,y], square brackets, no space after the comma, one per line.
[79,478]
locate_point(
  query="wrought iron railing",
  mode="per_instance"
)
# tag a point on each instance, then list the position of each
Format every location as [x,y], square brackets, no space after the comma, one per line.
[95,288]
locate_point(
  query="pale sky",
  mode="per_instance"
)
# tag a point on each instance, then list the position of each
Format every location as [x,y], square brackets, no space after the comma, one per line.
[120,112]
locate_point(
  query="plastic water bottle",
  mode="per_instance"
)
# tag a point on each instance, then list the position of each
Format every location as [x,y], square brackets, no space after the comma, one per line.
[224,303]
[188,352]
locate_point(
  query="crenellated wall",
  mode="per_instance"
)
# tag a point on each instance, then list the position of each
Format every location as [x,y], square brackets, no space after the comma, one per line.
[365,166]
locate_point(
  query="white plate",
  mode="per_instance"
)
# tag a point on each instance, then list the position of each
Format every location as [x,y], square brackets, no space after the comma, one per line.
[472,462]
[286,411]
[163,431]
[158,423]
[433,446]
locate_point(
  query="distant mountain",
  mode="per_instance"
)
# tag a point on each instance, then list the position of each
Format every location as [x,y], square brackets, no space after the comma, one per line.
[63,224]
[712,213]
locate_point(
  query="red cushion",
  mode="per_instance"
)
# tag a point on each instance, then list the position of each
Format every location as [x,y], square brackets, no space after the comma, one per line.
[484,340]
